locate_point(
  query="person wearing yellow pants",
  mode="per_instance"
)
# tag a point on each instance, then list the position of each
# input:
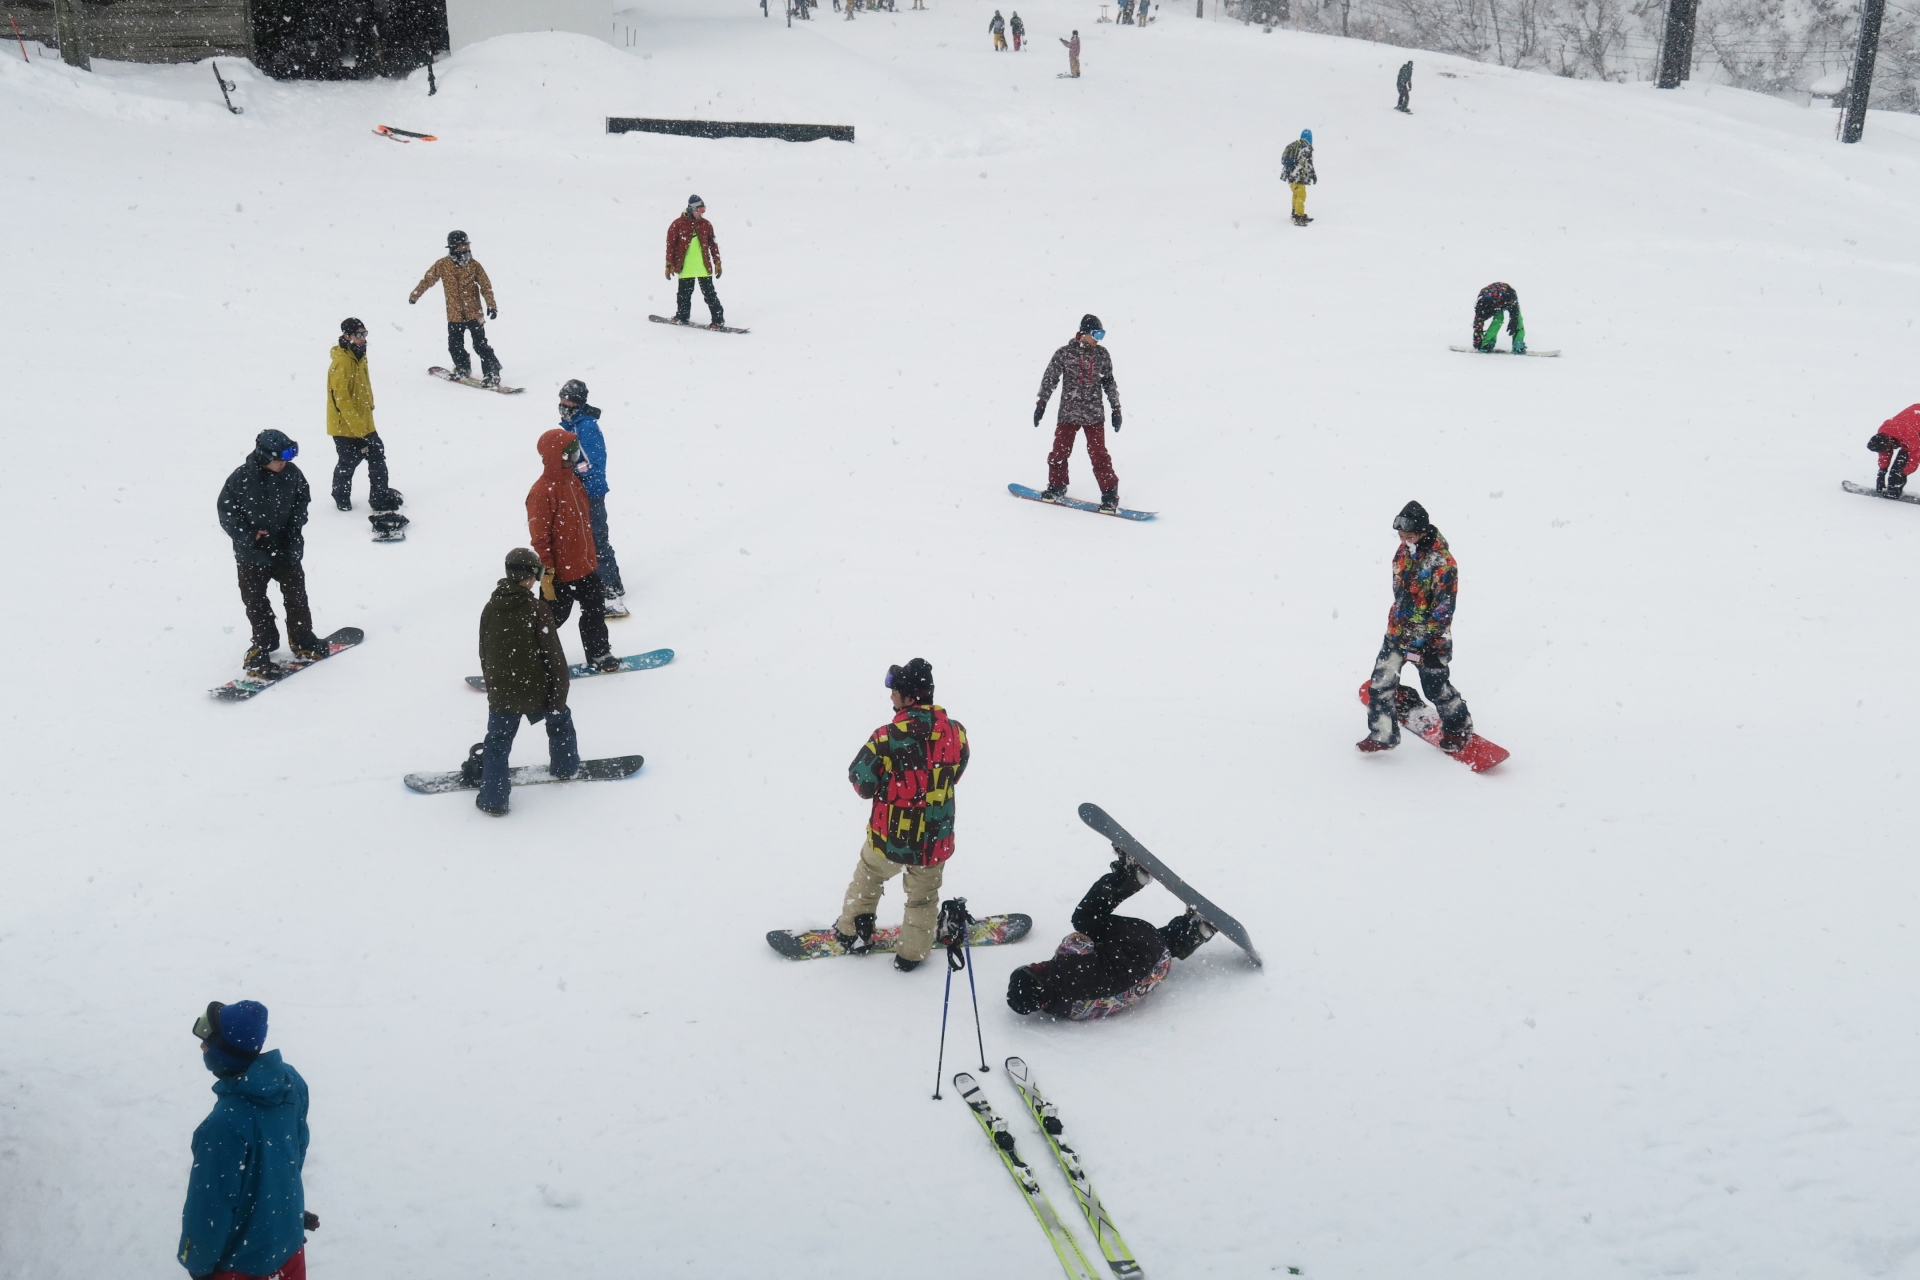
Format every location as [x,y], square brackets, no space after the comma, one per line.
[1296,170]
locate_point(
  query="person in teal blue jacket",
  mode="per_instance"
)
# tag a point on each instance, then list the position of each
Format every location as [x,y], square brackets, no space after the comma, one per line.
[583,419]
[246,1212]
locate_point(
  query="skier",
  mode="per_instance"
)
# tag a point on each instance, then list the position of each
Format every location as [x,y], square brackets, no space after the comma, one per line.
[1898,444]
[999,29]
[908,768]
[583,419]
[560,523]
[526,673]
[1405,84]
[246,1210]
[693,253]
[1296,170]
[350,422]
[1496,302]
[1108,962]
[262,507]
[1083,370]
[1073,56]
[1419,630]
[465,285]
[1017,29]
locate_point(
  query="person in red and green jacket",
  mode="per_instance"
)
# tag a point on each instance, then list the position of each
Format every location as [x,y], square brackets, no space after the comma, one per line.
[693,254]
[908,768]
[1419,630]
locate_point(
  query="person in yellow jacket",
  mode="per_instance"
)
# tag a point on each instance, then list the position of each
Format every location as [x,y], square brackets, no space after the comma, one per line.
[350,422]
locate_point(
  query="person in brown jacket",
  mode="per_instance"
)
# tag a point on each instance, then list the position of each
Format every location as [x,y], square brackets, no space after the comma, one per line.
[465,284]
[1083,371]
[560,523]
[693,253]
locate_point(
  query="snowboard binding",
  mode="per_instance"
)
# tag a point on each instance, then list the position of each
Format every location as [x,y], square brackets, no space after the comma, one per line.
[388,526]
[473,766]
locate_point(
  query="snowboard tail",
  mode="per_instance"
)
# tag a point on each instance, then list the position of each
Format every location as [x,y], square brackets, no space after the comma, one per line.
[1423,721]
[580,671]
[1022,491]
[817,944]
[245,687]
[1096,817]
[611,769]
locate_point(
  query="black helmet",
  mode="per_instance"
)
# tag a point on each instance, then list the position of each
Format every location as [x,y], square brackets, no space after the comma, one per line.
[455,239]
[574,390]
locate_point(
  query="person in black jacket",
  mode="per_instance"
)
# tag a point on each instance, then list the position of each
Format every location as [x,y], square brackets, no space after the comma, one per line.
[1108,962]
[262,507]
[1405,84]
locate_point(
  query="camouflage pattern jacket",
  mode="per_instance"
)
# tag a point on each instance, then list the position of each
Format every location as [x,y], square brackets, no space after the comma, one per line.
[1425,582]
[908,768]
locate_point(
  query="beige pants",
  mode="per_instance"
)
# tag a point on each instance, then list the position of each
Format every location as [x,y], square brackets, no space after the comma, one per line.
[870,876]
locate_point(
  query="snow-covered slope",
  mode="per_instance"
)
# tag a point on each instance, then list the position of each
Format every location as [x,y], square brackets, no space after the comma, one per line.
[1634,1004]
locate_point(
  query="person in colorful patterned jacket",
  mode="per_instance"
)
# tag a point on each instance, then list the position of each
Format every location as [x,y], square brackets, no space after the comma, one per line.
[1083,371]
[1108,962]
[908,768]
[1496,302]
[1419,630]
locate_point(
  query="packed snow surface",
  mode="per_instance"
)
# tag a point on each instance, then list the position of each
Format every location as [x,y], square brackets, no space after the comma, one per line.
[1637,1003]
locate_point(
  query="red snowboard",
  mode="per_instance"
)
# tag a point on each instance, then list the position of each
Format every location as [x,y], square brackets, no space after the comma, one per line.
[1479,755]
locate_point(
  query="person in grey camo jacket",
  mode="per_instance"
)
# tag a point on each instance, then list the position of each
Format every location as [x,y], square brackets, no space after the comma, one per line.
[1084,372]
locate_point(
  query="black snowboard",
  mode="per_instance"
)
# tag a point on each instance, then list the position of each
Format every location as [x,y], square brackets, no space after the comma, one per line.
[1096,817]
[612,769]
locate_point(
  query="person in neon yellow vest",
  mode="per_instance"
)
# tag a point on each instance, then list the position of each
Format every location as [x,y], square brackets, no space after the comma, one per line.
[693,254]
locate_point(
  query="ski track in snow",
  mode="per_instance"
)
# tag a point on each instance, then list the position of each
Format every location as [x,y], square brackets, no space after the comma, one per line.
[1634,1004]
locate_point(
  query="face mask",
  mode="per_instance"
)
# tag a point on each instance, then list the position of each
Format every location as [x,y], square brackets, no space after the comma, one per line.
[462,256]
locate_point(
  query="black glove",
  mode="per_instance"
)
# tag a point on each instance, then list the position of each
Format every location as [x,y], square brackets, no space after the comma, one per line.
[310,1221]
[1039,412]
[493,313]
[1116,417]
[411,301]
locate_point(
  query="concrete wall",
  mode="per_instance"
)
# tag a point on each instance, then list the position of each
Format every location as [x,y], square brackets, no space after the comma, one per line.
[471,21]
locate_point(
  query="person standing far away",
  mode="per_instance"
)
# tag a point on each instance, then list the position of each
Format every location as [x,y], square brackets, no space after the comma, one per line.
[908,768]
[464,283]
[693,254]
[246,1212]
[999,29]
[1073,56]
[262,508]
[1296,170]
[1017,29]
[1426,582]
[583,419]
[1405,85]
[526,673]
[1126,13]
[1495,303]
[350,422]
[1084,371]
[1143,11]
[560,525]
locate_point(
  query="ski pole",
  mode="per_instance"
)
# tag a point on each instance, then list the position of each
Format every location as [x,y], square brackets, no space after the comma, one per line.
[942,1060]
[976,1002]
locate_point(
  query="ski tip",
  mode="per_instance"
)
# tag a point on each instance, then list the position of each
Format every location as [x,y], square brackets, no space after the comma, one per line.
[964,1081]
[1016,1067]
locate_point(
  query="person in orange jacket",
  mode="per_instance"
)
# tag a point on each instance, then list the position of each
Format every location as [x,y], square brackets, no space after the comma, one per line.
[560,526]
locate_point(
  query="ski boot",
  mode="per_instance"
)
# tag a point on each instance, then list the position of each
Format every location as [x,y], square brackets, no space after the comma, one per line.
[860,940]
[1053,493]
[313,651]
[473,768]
[1109,501]
[1369,746]
[260,662]
[606,663]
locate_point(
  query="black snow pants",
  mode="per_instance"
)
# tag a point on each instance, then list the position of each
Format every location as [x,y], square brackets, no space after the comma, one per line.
[684,308]
[351,451]
[1385,692]
[593,613]
[457,348]
[1893,477]
[293,593]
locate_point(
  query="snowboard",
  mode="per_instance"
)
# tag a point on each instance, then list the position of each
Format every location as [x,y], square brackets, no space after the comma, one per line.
[1033,495]
[402,135]
[1424,722]
[816,944]
[612,769]
[389,526]
[1096,817]
[710,328]
[1851,487]
[1528,352]
[245,687]
[468,380]
[580,671]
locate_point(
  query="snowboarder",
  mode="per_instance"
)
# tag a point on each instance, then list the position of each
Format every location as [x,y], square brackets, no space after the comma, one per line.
[1126,14]
[262,507]
[1073,56]
[999,29]
[350,422]
[908,768]
[583,419]
[1108,962]
[693,254]
[1405,84]
[246,1210]
[1083,370]
[465,285]
[526,673]
[1898,444]
[560,524]
[1419,630]
[1496,302]
[1143,12]
[1017,29]
[1296,170]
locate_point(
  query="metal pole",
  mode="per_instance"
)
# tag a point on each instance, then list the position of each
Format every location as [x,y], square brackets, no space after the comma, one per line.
[976,1003]
[942,1059]
[1871,12]
[16,36]
[1676,46]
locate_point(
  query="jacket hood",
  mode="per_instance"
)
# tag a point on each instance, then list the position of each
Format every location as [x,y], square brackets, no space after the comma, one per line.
[267,1083]
[920,722]
[508,590]
[553,447]
[269,444]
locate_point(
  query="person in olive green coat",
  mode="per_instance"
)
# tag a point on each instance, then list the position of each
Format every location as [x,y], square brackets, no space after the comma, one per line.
[526,673]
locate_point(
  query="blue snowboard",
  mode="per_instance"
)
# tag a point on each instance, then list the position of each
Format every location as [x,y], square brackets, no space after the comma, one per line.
[580,671]
[1033,495]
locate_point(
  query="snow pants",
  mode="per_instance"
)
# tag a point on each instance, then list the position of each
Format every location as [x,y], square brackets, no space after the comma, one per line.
[1073,66]
[1057,460]
[1492,335]
[457,331]
[1016,42]
[1404,91]
[563,752]
[999,43]
[593,613]
[294,1268]
[350,452]
[683,307]
[870,876]
[1384,691]
[293,594]
[1893,473]
[1299,199]
[609,571]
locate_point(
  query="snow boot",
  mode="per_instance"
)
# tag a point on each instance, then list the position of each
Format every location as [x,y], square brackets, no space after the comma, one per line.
[391,500]
[1185,935]
[474,766]
[1454,743]
[606,663]
[312,652]
[617,605]
[260,663]
[501,812]
[1123,864]
[1053,493]
[491,380]
[857,942]
[344,504]
[905,965]
[1109,501]
[1369,745]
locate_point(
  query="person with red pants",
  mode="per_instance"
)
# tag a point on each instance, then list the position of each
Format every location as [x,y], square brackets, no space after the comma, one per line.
[560,526]
[1898,444]
[1083,370]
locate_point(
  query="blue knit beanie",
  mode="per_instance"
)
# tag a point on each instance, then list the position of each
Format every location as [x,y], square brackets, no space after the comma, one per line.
[241,1026]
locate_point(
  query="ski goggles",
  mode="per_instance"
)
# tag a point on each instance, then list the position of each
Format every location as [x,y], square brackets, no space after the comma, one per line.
[289,453]
[1098,335]
[893,673]
[203,1026]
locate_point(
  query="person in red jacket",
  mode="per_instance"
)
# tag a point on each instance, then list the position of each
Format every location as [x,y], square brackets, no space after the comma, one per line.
[560,525]
[1898,444]
[693,254]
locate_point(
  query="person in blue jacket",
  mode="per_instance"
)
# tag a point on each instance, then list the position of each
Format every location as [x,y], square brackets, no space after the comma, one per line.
[581,418]
[246,1212]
